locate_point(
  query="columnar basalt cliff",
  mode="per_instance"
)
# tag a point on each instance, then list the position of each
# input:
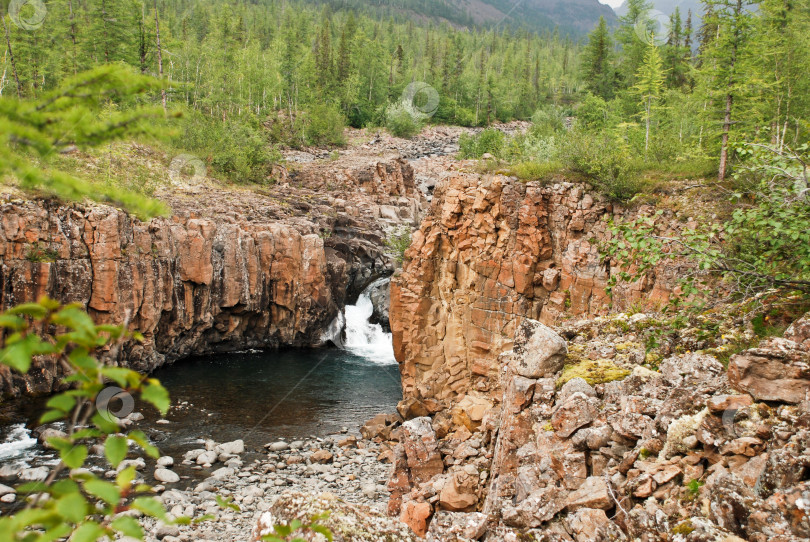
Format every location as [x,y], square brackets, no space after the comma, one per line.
[229,270]
[491,252]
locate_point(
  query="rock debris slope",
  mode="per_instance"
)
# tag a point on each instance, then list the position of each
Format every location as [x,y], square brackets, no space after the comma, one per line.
[682,453]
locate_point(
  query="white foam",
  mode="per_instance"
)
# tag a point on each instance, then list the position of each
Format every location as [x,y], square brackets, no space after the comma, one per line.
[17,443]
[363,338]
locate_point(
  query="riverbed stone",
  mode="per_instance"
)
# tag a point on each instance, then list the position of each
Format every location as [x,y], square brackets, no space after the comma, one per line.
[232,448]
[209,457]
[166,476]
[278,446]
[166,461]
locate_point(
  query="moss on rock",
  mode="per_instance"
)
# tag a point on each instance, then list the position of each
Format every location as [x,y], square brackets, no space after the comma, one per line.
[592,371]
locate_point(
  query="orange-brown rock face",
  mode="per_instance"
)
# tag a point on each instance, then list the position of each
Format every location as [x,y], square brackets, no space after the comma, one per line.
[491,252]
[233,269]
[189,285]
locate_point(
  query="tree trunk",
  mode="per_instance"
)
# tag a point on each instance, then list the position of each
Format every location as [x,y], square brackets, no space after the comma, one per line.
[724,145]
[721,174]
[104,32]
[13,62]
[647,136]
[73,36]
[159,56]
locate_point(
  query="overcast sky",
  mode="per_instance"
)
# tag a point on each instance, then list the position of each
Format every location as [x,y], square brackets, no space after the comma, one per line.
[612,3]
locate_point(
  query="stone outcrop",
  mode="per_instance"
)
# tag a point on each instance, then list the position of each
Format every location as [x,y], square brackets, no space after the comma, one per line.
[779,369]
[229,270]
[644,454]
[492,252]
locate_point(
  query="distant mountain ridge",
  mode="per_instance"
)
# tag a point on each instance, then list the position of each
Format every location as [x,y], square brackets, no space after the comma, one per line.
[668,8]
[574,18]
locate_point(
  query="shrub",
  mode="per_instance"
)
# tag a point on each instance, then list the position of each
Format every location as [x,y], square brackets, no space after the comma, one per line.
[238,149]
[79,503]
[398,241]
[324,125]
[548,120]
[592,113]
[490,141]
[606,161]
[401,121]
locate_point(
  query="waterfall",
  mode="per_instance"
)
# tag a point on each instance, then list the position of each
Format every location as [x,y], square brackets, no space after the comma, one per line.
[364,339]
[334,331]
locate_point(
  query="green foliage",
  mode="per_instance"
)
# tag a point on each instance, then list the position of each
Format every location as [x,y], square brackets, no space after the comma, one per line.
[34,132]
[231,59]
[606,161]
[80,504]
[649,83]
[597,65]
[237,149]
[297,530]
[535,171]
[325,125]
[489,141]
[694,486]
[398,241]
[764,245]
[402,121]
[37,253]
[592,113]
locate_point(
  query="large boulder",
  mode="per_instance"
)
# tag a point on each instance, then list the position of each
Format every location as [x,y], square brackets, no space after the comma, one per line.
[538,351]
[421,449]
[460,491]
[799,332]
[778,370]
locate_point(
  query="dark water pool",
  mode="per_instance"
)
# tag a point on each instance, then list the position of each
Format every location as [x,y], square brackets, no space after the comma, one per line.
[258,397]
[263,396]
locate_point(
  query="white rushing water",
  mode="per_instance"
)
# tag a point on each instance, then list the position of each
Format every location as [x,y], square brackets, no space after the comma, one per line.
[363,338]
[17,443]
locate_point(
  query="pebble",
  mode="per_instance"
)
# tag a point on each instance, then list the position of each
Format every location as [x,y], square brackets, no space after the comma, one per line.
[6,490]
[166,476]
[279,446]
[165,461]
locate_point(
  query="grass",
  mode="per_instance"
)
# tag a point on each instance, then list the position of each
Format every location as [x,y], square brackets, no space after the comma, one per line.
[38,254]
[536,171]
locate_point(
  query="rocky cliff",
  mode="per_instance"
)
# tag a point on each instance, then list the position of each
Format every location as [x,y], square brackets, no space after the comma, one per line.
[492,252]
[231,269]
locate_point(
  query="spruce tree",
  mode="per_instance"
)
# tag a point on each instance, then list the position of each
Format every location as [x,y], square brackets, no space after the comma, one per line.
[597,62]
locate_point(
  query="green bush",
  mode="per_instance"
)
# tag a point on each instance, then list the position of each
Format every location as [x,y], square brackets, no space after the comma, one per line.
[490,141]
[548,120]
[398,241]
[72,501]
[238,149]
[324,125]
[402,122]
[606,161]
[592,113]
